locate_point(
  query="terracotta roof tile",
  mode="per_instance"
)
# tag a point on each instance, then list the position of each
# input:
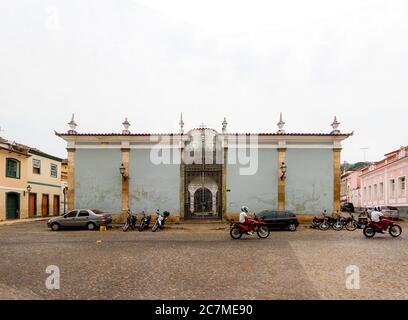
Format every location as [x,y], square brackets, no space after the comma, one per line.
[173,134]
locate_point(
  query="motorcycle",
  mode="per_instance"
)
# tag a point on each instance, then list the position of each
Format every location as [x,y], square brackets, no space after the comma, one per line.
[352,224]
[385,225]
[160,221]
[145,223]
[336,223]
[317,221]
[257,226]
[130,222]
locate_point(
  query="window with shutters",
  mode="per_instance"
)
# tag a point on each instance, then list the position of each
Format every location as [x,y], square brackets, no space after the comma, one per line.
[12,168]
[54,170]
[36,166]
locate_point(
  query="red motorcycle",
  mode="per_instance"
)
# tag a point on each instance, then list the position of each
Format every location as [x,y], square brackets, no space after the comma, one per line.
[254,225]
[385,224]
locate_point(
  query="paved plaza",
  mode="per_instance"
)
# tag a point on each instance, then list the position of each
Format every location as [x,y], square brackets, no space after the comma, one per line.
[199,262]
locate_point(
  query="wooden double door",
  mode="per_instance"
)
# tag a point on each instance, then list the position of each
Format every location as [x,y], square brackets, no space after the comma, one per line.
[45,205]
[32,205]
[56,205]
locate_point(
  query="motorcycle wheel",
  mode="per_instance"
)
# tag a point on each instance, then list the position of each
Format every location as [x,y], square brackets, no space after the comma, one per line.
[125,227]
[236,233]
[155,227]
[338,226]
[351,226]
[324,226]
[369,232]
[395,230]
[263,232]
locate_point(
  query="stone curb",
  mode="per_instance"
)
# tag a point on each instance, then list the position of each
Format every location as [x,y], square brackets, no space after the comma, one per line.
[13,222]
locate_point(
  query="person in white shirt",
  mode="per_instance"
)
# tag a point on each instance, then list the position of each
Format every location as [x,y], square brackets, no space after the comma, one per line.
[376,217]
[243,219]
[376,214]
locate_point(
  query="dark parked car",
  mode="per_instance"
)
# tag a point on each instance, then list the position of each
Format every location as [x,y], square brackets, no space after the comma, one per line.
[279,219]
[83,218]
[347,207]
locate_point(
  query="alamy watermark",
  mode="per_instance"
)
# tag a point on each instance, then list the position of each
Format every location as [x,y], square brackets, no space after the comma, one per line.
[352,277]
[207,148]
[52,282]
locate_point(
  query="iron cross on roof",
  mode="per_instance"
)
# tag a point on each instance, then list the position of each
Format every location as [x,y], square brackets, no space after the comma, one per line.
[203,126]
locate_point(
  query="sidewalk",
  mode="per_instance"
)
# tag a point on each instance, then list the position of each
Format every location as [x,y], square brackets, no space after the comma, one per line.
[13,222]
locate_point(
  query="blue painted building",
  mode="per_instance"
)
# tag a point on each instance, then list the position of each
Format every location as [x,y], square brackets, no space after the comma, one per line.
[203,173]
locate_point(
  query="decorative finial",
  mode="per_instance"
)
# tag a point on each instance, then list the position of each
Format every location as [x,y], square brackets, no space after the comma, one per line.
[203,126]
[335,126]
[224,126]
[72,125]
[126,126]
[280,124]
[181,124]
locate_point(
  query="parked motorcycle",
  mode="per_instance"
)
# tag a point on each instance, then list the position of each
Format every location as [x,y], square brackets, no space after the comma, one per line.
[330,222]
[259,227]
[161,220]
[145,223]
[317,221]
[385,225]
[130,222]
[352,224]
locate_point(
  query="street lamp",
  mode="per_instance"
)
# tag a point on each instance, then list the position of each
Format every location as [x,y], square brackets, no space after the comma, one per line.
[283,170]
[122,170]
[28,188]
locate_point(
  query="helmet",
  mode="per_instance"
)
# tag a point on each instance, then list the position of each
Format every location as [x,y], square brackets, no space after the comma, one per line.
[245,209]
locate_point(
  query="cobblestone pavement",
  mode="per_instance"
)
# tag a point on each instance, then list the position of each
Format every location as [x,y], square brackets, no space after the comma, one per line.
[200,262]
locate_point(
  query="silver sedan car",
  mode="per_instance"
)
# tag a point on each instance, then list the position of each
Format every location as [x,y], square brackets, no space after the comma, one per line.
[90,219]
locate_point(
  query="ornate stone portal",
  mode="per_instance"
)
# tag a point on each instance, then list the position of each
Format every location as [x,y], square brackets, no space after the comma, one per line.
[203,167]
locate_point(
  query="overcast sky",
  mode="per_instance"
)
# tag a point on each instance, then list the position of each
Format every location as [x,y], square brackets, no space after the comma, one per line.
[149,60]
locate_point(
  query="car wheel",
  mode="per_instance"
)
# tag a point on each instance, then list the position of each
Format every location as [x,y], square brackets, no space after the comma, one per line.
[91,226]
[292,227]
[55,227]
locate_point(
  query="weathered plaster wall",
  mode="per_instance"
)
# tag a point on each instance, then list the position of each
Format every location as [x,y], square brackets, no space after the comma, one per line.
[97,179]
[309,180]
[153,186]
[258,191]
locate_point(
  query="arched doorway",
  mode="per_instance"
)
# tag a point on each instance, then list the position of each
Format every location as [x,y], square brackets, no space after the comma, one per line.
[202,197]
[203,201]
[12,205]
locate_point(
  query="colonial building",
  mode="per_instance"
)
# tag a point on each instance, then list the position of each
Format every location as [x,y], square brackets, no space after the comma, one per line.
[351,188]
[30,182]
[384,182]
[204,173]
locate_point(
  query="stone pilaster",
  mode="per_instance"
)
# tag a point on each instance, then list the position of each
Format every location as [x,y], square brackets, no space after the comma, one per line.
[281,182]
[224,184]
[182,184]
[71,178]
[336,179]
[125,182]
